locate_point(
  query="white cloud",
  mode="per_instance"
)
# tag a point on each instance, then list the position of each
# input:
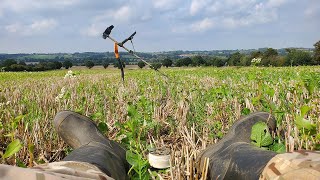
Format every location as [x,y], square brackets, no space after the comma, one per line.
[276,3]
[165,4]
[238,2]
[43,25]
[93,31]
[123,14]
[258,15]
[197,5]
[31,5]
[215,7]
[313,9]
[36,27]
[226,14]
[13,28]
[202,25]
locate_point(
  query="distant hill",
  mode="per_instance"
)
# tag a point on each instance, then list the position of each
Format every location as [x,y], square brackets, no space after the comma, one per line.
[99,57]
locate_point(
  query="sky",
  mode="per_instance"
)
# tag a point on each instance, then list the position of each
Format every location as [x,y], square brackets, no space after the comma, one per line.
[67,26]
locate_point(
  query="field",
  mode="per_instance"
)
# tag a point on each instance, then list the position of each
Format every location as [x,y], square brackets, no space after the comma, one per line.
[195,107]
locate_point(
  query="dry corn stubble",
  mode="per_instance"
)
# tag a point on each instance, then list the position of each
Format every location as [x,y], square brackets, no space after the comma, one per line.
[193,111]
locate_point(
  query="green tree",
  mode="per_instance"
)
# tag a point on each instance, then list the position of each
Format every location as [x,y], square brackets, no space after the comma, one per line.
[278,61]
[184,62]
[57,64]
[268,56]
[235,59]
[298,57]
[141,64]
[89,64]
[105,64]
[219,62]
[22,63]
[39,67]
[245,61]
[316,57]
[155,66]
[49,65]
[255,54]
[197,61]
[179,63]
[9,62]
[270,52]
[167,62]
[67,64]
[16,67]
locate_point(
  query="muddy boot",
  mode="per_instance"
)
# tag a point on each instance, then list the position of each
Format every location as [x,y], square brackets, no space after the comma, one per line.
[90,145]
[233,157]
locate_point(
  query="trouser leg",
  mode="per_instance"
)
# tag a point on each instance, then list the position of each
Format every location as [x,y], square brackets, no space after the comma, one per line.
[296,165]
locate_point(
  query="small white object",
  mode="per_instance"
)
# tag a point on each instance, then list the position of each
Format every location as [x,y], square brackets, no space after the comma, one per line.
[160,158]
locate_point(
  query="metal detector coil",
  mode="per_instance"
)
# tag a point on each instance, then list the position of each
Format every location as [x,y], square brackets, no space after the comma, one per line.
[107,32]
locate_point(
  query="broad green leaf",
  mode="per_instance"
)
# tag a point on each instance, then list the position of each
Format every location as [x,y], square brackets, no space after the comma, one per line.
[96,116]
[103,127]
[132,111]
[270,92]
[304,110]
[20,163]
[261,135]
[12,148]
[245,111]
[132,158]
[139,165]
[19,118]
[278,147]
[303,123]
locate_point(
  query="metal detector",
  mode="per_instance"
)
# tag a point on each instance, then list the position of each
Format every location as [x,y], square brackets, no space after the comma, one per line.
[106,34]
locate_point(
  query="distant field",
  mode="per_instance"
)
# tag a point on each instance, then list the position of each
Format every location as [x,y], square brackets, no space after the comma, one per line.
[43,56]
[110,67]
[192,109]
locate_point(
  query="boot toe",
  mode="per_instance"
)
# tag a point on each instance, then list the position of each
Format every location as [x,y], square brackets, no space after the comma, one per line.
[60,117]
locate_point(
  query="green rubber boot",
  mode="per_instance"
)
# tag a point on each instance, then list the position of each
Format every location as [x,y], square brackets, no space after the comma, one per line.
[90,145]
[233,157]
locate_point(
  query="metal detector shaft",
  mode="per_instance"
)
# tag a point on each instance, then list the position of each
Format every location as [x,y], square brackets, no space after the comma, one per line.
[129,51]
[134,54]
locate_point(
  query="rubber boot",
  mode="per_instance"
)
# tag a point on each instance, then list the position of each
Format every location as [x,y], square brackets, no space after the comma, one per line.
[233,157]
[90,145]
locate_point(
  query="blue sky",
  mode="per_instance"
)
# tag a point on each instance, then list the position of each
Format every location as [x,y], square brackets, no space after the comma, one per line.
[43,26]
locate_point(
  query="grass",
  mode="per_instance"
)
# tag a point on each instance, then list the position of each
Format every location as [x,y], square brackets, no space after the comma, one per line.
[193,109]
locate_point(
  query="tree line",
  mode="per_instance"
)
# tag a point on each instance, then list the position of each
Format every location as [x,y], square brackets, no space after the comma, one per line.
[268,57]
[13,65]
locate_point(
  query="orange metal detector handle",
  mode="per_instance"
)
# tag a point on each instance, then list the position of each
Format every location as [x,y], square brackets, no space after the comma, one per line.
[116,51]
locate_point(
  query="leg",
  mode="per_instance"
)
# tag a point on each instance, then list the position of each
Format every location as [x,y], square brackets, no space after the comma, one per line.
[296,165]
[90,146]
[233,157]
